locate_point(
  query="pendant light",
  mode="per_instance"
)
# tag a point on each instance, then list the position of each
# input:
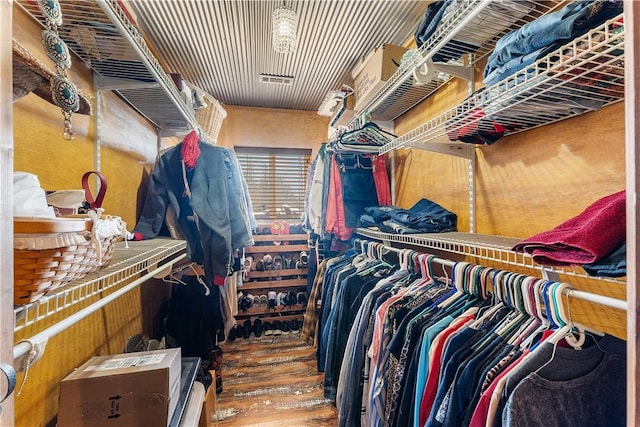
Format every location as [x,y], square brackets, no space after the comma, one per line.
[284,29]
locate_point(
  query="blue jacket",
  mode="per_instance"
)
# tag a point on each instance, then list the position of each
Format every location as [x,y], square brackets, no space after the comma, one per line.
[218,200]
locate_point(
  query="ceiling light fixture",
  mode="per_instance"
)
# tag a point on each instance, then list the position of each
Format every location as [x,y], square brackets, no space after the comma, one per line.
[284,29]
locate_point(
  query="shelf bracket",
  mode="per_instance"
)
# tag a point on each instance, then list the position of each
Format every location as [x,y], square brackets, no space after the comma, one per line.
[112,83]
[466,151]
[461,71]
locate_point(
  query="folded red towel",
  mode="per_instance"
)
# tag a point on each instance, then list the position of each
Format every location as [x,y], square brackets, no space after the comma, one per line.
[585,238]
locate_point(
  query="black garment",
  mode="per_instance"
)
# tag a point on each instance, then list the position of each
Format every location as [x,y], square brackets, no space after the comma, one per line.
[358,186]
[481,374]
[463,383]
[356,287]
[193,319]
[542,354]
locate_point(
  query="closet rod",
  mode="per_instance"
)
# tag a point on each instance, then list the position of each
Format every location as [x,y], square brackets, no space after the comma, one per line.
[571,292]
[39,340]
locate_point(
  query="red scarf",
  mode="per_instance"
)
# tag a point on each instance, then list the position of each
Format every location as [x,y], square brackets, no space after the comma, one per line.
[190,150]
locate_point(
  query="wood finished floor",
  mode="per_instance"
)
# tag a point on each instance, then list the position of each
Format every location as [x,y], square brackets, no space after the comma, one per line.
[272,381]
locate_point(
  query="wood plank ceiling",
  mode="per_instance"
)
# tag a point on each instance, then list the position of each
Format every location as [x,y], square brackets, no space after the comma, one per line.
[222,46]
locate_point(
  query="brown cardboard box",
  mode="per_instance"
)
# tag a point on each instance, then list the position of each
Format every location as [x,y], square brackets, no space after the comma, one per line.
[373,71]
[134,389]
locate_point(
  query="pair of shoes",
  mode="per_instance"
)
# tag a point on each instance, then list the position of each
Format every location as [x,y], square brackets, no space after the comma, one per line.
[287,300]
[233,333]
[259,265]
[268,328]
[263,300]
[277,262]
[272,301]
[277,328]
[245,301]
[292,299]
[286,327]
[302,298]
[282,299]
[246,329]
[287,262]
[304,258]
[258,328]
[295,326]
[267,261]
[213,361]
[246,268]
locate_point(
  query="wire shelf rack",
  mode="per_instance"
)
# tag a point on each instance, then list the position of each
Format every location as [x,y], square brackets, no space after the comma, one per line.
[483,246]
[583,75]
[105,38]
[127,264]
[474,26]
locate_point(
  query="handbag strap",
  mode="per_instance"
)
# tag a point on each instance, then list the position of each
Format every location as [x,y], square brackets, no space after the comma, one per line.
[97,202]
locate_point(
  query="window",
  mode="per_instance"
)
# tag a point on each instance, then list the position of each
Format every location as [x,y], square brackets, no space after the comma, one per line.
[277,180]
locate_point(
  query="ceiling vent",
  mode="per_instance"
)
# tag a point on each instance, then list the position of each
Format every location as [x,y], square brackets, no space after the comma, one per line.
[276,80]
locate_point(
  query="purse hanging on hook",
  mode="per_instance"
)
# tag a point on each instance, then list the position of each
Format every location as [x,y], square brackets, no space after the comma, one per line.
[96,203]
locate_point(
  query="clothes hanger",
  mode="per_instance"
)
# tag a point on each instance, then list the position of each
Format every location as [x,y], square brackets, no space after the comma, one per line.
[173,276]
[532,323]
[497,279]
[513,323]
[207,291]
[566,329]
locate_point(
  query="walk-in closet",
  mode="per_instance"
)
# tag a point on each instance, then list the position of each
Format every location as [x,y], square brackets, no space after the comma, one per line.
[318,213]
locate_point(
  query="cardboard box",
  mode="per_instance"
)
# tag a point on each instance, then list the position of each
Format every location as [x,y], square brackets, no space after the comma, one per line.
[372,72]
[133,389]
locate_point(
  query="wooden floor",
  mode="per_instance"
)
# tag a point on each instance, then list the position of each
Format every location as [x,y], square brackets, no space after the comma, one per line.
[272,381]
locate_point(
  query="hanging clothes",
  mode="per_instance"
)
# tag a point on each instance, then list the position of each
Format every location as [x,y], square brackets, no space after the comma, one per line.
[210,202]
[408,349]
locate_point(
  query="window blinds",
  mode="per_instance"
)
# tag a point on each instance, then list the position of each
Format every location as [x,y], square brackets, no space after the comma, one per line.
[277,179]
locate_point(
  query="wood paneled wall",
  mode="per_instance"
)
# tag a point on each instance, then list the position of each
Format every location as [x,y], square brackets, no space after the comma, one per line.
[273,128]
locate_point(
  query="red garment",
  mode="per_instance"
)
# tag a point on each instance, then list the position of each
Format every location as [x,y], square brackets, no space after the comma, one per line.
[381,180]
[335,220]
[583,239]
[479,417]
[190,149]
[431,387]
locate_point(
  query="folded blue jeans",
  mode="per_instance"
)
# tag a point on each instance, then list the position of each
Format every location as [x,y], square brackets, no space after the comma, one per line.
[554,28]
[427,216]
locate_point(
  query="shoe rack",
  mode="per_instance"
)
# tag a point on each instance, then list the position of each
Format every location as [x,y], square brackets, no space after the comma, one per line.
[285,273]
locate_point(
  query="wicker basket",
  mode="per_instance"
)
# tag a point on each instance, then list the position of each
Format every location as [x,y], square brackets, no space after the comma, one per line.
[38,271]
[210,118]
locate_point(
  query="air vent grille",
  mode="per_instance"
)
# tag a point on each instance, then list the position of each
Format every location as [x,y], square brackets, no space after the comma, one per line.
[276,80]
